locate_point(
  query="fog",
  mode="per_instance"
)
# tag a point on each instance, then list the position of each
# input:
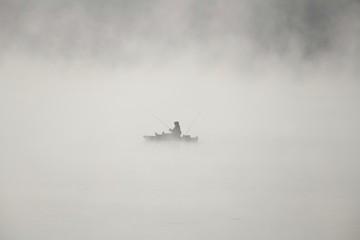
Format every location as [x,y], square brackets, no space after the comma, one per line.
[271,88]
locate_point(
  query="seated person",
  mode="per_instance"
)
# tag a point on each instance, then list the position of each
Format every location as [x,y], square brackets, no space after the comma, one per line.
[176,131]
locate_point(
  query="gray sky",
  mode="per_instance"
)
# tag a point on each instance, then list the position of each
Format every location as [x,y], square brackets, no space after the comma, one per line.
[138,30]
[184,51]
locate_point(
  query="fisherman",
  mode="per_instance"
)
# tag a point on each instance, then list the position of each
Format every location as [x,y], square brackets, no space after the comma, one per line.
[176,131]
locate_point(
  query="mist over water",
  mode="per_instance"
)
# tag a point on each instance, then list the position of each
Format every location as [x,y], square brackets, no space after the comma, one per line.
[274,83]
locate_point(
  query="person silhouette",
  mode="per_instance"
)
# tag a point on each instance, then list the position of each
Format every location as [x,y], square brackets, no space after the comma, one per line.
[176,131]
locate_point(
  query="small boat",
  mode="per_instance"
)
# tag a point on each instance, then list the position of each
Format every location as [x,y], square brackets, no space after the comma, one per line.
[166,137]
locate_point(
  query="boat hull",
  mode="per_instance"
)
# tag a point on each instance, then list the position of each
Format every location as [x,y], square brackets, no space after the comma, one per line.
[169,137]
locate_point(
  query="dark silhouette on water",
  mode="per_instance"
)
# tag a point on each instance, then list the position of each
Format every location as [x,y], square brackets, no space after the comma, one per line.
[174,135]
[176,131]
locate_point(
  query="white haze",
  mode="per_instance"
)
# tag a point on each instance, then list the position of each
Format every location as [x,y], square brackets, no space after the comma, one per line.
[275,86]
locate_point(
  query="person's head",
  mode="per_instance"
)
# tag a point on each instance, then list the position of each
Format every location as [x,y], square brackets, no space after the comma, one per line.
[176,123]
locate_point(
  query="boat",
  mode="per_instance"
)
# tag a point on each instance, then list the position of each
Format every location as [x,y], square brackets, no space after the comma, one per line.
[167,137]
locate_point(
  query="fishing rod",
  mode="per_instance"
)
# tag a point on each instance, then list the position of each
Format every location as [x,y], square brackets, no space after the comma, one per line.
[159,119]
[197,115]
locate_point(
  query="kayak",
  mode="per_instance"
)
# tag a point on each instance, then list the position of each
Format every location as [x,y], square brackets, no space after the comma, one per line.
[169,137]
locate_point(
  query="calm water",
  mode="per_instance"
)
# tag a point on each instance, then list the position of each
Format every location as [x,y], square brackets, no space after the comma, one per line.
[219,188]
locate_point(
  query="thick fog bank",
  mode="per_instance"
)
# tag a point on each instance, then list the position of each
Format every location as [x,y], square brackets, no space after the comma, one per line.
[98,101]
[273,87]
[131,31]
[277,155]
